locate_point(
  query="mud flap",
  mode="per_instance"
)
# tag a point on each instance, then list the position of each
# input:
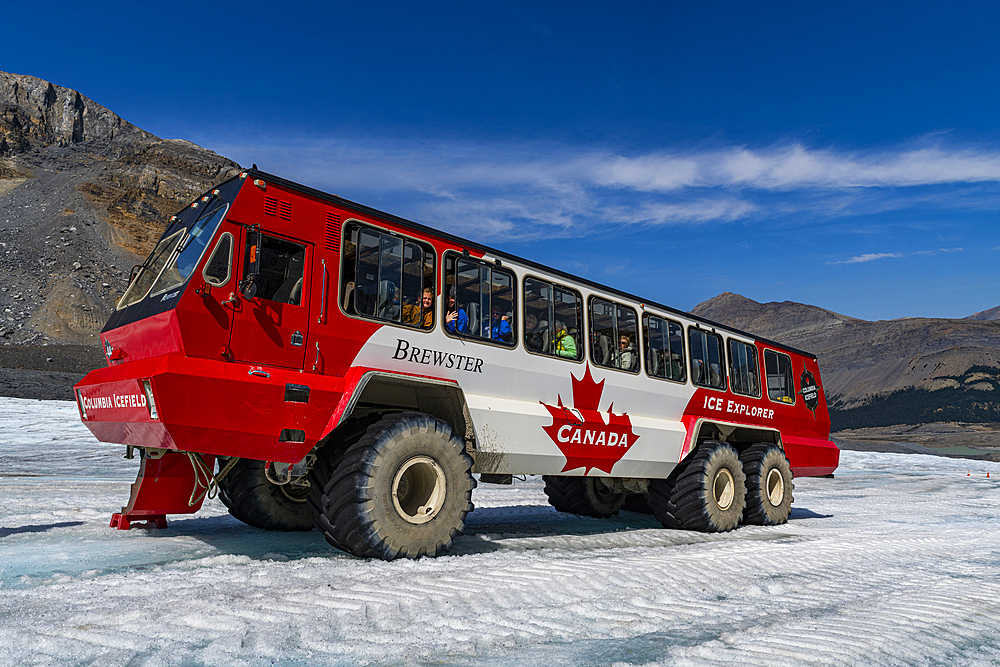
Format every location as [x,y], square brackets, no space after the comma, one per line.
[165,485]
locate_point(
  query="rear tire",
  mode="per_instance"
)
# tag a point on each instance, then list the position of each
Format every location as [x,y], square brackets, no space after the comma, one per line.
[708,495]
[256,501]
[402,489]
[769,485]
[637,502]
[582,495]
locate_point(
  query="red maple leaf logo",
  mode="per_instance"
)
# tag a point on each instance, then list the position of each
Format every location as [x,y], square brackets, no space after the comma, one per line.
[587,437]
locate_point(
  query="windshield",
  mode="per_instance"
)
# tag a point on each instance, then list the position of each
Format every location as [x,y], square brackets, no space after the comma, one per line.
[150,269]
[174,258]
[189,252]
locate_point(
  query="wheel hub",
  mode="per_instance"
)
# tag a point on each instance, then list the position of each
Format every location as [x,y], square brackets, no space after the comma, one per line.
[418,489]
[775,487]
[724,489]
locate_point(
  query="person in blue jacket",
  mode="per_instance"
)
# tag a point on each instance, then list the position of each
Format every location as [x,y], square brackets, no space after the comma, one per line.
[499,327]
[455,319]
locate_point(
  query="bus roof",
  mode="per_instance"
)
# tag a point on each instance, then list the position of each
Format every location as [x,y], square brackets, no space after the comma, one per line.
[254,173]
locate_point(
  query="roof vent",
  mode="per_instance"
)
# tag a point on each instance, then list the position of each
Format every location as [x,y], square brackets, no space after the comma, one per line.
[270,206]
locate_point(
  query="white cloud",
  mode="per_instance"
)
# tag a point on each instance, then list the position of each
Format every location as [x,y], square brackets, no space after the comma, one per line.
[869,257]
[795,166]
[536,189]
[699,211]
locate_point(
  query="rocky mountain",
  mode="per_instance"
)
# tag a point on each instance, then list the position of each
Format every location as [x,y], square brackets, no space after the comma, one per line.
[84,195]
[991,314]
[911,370]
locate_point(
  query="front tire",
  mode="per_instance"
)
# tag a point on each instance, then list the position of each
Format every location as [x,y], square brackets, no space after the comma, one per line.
[769,485]
[708,495]
[253,499]
[403,489]
[582,495]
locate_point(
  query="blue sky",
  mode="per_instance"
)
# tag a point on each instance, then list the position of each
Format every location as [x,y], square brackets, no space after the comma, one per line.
[841,155]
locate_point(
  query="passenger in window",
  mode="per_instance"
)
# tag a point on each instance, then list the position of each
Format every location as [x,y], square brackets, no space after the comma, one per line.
[388,301]
[500,326]
[455,319]
[564,343]
[715,375]
[627,357]
[676,372]
[697,368]
[532,335]
[422,315]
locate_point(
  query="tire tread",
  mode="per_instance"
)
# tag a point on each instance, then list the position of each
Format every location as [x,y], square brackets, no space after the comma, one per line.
[344,485]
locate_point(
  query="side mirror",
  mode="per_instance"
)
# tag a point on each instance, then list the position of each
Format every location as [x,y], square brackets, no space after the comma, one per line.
[248,288]
[135,271]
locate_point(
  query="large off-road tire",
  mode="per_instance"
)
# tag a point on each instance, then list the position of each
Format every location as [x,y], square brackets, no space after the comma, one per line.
[582,495]
[708,494]
[769,485]
[253,499]
[402,489]
[637,502]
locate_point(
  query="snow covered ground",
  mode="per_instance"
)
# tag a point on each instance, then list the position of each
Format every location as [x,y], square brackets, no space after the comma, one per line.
[894,562]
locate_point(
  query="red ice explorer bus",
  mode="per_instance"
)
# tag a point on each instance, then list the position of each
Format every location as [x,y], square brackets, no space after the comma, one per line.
[320,363]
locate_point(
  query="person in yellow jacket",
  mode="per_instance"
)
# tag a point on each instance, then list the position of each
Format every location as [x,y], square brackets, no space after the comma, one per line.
[422,315]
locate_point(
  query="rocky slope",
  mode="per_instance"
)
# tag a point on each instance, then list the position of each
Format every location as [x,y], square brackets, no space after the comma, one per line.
[83,196]
[910,370]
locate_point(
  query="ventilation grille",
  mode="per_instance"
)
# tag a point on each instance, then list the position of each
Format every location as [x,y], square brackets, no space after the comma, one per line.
[332,231]
[270,206]
[285,210]
[291,435]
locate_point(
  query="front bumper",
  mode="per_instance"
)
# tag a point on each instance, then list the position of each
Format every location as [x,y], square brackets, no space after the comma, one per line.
[208,407]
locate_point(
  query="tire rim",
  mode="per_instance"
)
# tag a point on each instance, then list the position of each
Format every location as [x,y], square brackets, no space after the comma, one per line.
[419,489]
[724,489]
[775,487]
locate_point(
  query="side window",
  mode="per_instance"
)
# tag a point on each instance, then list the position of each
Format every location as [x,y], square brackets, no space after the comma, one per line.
[780,383]
[479,300]
[744,374]
[613,335]
[553,317]
[664,348]
[387,277]
[706,359]
[218,268]
[281,268]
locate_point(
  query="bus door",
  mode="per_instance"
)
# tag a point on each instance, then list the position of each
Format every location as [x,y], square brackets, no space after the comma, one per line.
[271,311]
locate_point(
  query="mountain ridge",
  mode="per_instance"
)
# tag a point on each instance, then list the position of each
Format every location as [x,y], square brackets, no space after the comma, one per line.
[864,363]
[989,314]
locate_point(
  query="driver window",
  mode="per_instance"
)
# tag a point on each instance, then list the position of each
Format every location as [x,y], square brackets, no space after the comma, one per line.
[282,265]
